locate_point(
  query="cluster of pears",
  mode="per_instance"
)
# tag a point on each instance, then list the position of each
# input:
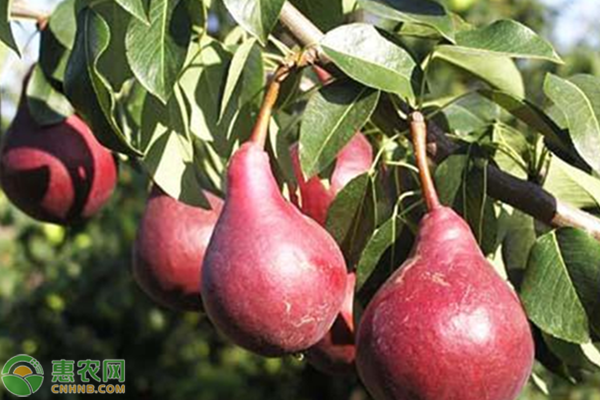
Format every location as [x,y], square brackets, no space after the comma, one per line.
[271,278]
[55,173]
[444,326]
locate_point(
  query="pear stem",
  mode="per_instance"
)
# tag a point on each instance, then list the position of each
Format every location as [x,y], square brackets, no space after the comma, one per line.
[418,131]
[261,128]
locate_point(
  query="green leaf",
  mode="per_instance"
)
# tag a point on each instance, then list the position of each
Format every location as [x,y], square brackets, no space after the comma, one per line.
[517,239]
[572,185]
[423,12]
[325,15]
[351,217]
[169,152]
[88,92]
[513,150]
[256,16]
[202,83]
[236,68]
[531,115]
[136,8]
[579,100]
[367,57]
[332,117]
[113,64]
[46,105]
[56,41]
[381,240]
[571,354]
[465,116]
[499,71]
[506,38]
[6,33]
[63,23]
[449,177]
[560,289]
[157,52]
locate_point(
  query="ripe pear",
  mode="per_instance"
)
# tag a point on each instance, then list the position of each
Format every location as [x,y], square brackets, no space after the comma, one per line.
[335,353]
[445,326]
[315,196]
[273,280]
[170,247]
[58,173]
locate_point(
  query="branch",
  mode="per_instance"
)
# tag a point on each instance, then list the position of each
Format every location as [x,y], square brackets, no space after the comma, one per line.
[523,195]
[20,10]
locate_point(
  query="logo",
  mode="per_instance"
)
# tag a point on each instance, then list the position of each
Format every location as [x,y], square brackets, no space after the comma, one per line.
[22,375]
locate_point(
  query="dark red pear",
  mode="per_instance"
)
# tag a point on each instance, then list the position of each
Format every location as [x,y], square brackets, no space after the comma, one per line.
[335,353]
[445,326]
[273,280]
[169,249]
[58,173]
[315,196]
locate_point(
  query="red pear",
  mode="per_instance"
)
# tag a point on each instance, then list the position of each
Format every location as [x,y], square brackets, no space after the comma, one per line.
[57,173]
[169,249]
[445,326]
[273,280]
[335,353]
[315,197]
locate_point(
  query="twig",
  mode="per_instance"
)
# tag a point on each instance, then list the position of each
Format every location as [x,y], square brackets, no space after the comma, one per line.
[523,195]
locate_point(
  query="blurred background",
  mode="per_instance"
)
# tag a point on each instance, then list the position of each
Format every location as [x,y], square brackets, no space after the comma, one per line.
[69,293]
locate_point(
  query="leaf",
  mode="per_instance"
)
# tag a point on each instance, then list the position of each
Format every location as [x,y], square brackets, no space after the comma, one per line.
[332,117]
[169,152]
[499,71]
[572,185]
[531,115]
[202,83]
[423,12]
[513,150]
[579,100]
[367,57]
[86,89]
[449,177]
[113,64]
[560,289]
[46,105]
[256,16]
[381,240]
[57,40]
[518,238]
[135,8]
[506,38]
[350,218]
[325,15]
[466,115]
[157,52]
[6,33]
[236,68]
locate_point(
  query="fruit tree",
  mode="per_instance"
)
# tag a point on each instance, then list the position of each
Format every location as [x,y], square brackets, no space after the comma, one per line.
[303,199]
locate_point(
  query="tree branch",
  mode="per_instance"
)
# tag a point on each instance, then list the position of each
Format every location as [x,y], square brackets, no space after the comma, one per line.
[523,195]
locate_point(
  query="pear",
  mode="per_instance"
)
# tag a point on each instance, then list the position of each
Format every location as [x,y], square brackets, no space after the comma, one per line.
[58,173]
[273,280]
[169,249]
[445,326]
[335,353]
